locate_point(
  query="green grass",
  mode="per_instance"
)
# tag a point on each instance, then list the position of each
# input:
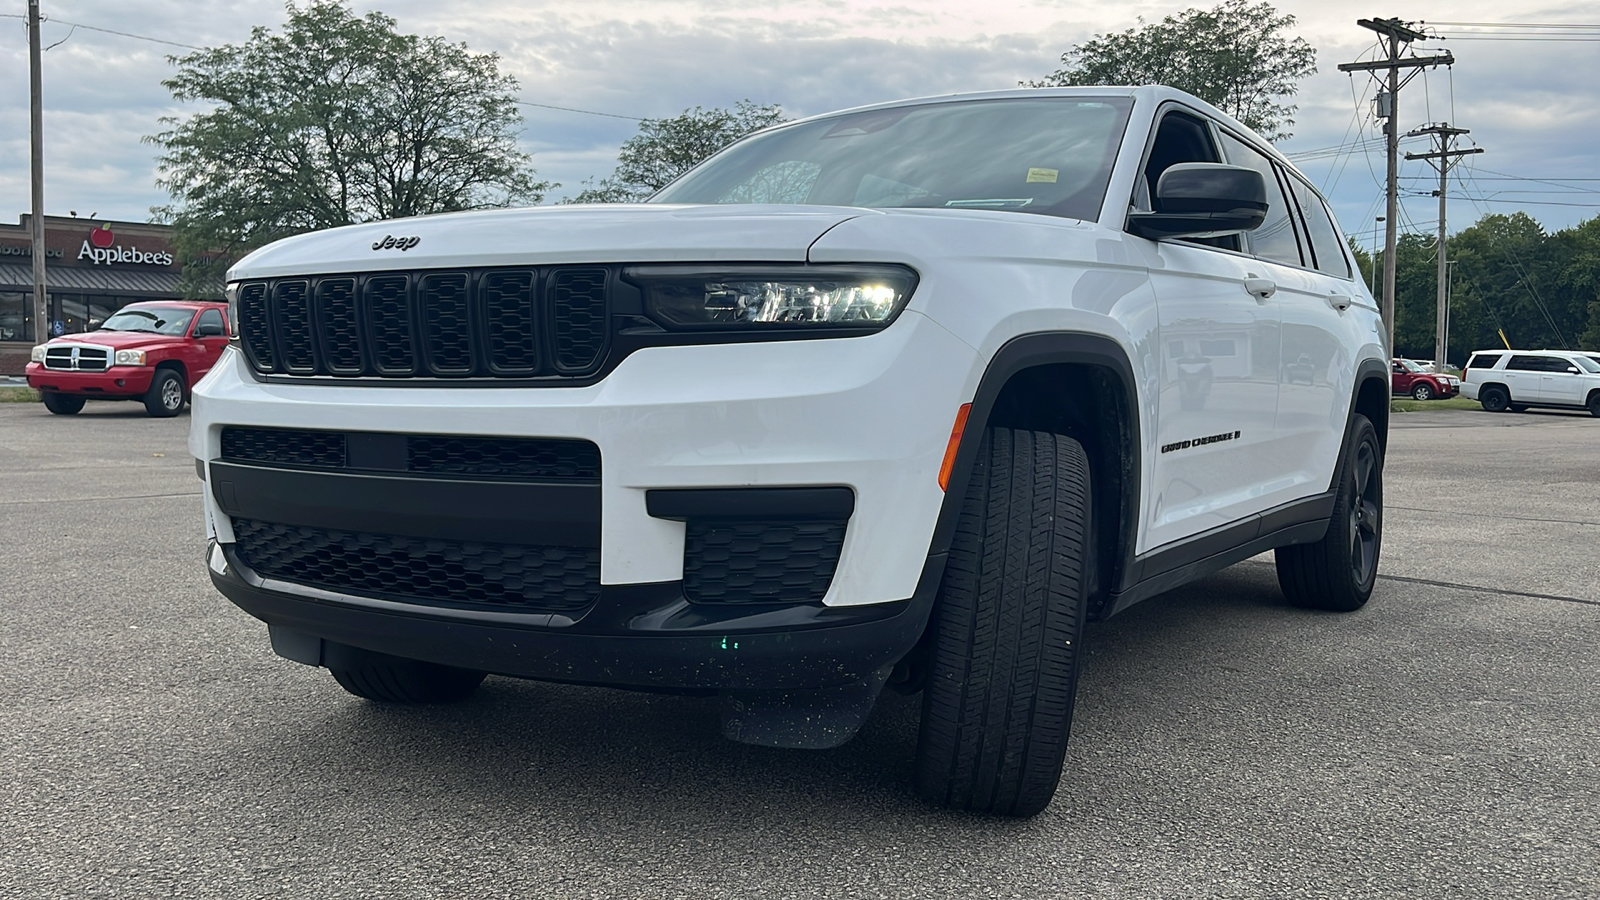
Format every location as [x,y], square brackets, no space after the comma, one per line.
[18,395]
[1405,406]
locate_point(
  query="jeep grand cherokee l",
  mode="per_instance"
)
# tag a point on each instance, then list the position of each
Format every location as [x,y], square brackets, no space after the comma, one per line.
[898,395]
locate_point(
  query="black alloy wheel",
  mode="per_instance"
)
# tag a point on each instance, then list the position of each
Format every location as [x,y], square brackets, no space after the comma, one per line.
[1494,399]
[62,404]
[1338,572]
[1422,391]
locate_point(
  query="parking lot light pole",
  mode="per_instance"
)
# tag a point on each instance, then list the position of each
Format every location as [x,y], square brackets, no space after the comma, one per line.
[41,303]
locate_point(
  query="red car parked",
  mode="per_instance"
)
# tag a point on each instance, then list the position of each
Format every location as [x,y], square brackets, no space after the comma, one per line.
[153,351]
[1409,377]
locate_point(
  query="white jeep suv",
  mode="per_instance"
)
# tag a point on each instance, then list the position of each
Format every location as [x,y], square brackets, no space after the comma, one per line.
[898,395]
[1515,380]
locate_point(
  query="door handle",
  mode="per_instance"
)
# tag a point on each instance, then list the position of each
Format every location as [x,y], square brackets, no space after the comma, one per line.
[1340,302]
[1260,288]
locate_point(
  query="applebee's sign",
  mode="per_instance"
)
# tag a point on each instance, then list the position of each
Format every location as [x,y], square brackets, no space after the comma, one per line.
[99,250]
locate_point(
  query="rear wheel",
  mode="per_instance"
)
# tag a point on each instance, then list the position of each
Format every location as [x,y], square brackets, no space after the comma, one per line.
[62,404]
[1338,572]
[1003,663]
[391,679]
[1494,399]
[1422,391]
[165,397]
[1518,407]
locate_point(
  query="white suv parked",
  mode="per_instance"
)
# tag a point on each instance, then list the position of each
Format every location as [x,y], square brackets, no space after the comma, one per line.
[899,395]
[1519,379]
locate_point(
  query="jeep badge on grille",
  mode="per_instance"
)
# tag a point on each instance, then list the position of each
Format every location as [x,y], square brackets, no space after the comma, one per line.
[390,242]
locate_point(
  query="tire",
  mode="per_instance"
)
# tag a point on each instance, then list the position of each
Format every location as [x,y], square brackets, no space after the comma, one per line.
[390,679]
[1007,629]
[166,395]
[1422,391]
[1518,407]
[1594,404]
[62,404]
[1338,572]
[1494,399]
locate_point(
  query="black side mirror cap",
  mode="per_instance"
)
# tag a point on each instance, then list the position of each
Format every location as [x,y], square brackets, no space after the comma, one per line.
[1203,199]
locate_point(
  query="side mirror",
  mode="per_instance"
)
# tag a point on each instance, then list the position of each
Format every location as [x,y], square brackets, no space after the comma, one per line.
[1572,370]
[1203,199]
[208,329]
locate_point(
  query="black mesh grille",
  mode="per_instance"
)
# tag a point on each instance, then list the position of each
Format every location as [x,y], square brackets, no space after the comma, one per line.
[514,323]
[284,447]
[340,326]
[292,302]
[513,334]
[389,315]
[508,458]
[578,306]
[760,561]
[433,572]
[255,331]
[444,310]
[500,458]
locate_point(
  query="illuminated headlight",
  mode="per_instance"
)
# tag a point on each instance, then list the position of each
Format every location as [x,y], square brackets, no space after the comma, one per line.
[38,354]
[129,358]
[703,298]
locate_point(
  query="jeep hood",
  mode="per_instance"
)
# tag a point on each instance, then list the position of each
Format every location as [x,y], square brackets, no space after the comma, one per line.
[624,233]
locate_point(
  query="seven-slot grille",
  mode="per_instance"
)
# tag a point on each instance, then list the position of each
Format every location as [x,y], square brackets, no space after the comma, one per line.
[509,323]
[77,357]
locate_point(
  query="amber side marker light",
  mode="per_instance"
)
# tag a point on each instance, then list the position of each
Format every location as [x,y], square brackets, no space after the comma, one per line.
[955,443]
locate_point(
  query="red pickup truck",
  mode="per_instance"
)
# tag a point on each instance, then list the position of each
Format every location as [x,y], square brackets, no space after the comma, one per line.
[153,351]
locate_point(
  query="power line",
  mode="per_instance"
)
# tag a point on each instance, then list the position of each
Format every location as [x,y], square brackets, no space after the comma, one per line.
[587,112]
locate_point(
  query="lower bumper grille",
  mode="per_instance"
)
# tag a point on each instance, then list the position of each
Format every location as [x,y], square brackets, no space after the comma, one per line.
[451,574]
[760,561]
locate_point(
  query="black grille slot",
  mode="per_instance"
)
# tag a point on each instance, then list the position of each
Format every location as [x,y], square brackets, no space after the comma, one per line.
[761,561]
[284,447]
[443,298]
[511,318]
[452,574]
[552,325]
[291,312]
[340,326]
[388,314]
[255,331]
[503,458]
[578,310]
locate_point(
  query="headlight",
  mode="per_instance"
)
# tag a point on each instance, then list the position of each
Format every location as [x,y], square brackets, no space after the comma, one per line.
[38,354]
[703,298]
[231,294]
[129,358]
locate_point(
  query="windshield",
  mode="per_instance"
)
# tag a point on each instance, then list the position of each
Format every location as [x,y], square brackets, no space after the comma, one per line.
[1047,155]
[1411,366]
[154,319]
[1587,364]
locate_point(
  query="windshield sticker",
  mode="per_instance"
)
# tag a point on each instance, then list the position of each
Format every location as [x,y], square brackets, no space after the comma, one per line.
[1048,175]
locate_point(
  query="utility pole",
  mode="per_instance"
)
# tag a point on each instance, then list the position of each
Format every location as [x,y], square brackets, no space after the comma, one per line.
[1441,159]
[1398,33]
[41,303]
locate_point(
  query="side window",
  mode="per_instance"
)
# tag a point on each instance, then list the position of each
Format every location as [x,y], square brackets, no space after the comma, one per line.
[1526,363]
[1275,239]
[1180,138]
[1483,360]
[1327,247]
[210,317]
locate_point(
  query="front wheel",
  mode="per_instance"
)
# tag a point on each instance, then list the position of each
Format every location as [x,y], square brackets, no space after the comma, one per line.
[62,404]
[1494,399]
[1594,404]
[1422,391]
[1006,630]
[165,397]
[1338,572]
[392,679]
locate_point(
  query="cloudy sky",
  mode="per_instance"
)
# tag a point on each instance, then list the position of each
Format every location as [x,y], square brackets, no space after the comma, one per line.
[1532,104]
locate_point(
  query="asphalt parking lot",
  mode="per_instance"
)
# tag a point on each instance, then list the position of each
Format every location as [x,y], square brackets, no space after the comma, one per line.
[1442,742]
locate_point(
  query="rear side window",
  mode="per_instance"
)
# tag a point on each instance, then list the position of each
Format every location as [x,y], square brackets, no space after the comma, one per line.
[1326,245]
[1483,360]
[1537,364]
[1275,239]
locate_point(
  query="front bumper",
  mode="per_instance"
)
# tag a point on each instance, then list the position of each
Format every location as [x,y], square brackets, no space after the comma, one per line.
[639,636]
[117,382]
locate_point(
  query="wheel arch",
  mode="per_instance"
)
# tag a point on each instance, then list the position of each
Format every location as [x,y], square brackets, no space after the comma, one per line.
[1077,384]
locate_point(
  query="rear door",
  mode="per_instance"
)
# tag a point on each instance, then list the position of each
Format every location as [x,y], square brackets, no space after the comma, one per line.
[1523,377]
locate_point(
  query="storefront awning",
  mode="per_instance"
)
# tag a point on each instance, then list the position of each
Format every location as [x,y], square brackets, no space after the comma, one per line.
[83,279]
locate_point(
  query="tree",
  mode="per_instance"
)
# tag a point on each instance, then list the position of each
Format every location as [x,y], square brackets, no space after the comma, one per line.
[1235,56]
[663,149]
[339,119]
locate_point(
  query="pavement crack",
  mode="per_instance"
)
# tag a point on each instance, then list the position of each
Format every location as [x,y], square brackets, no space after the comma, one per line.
[1487,590]
[1493,516]
[98,499]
